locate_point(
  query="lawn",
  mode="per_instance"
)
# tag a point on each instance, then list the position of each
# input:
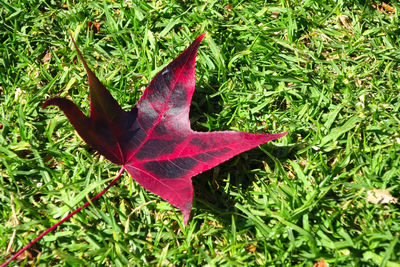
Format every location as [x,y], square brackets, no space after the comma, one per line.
[326,71]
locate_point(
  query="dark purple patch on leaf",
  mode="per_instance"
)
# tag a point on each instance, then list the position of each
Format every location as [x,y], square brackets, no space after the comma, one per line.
[155,148]
[170,169]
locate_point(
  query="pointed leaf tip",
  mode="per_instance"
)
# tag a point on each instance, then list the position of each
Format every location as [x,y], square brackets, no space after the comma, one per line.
[103,105]
[201,36]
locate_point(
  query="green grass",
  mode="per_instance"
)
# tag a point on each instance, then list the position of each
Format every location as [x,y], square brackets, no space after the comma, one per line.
[327,71]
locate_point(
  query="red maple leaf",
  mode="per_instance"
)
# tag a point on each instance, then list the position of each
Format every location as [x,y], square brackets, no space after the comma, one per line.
[153,141]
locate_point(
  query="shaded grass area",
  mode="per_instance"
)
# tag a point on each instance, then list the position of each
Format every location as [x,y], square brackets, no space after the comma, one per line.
[327,71]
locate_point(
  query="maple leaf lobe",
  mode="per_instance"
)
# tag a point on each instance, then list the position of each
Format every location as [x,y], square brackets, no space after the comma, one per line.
[154,141]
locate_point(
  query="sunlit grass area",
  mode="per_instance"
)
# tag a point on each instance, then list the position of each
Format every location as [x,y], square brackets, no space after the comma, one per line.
[326,71]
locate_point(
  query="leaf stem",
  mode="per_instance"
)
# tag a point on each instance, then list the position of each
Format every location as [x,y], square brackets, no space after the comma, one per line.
[63,220]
